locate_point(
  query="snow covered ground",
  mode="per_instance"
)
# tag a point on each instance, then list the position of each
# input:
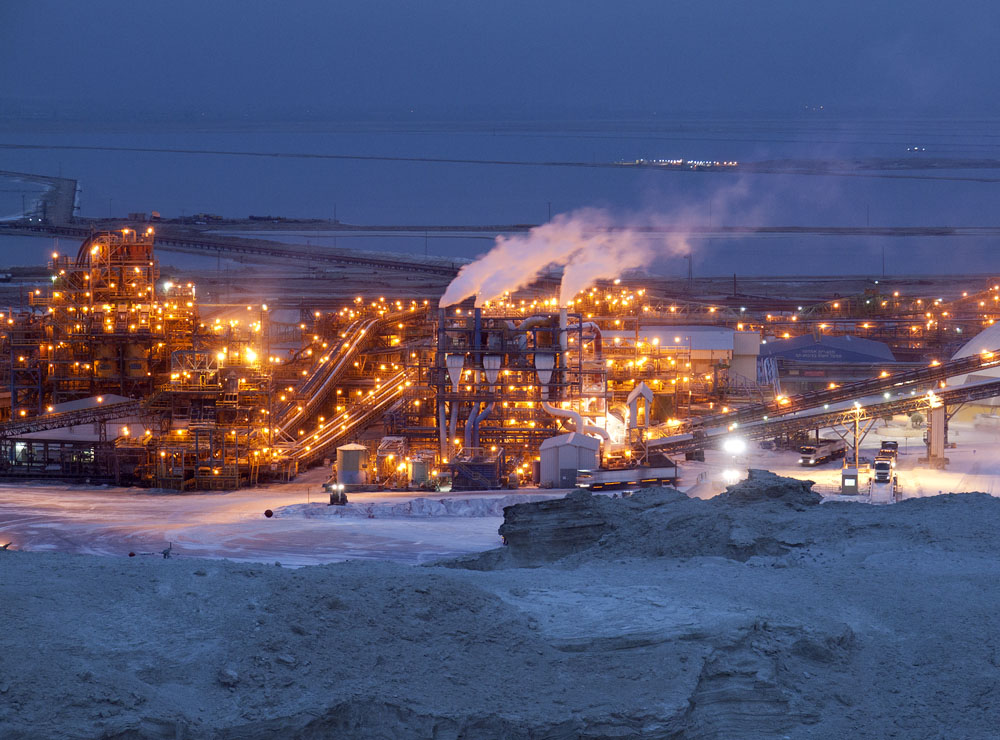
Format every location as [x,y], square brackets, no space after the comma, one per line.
[116,521]
[759,615]
[974,463]
[402,527]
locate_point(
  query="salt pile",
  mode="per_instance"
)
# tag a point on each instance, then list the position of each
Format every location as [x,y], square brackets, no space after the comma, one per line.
[753,615]
[482,506]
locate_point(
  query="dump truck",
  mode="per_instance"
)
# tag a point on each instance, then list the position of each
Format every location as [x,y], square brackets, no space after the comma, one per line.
[883,468]
[883,488]
[823,450]
[889,448]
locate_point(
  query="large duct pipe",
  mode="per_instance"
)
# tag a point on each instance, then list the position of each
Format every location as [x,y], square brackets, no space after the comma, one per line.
[570,414]
[443,428]
[472,423]
[453,425]
[598,337]
[563,345]
[486,412]
[576,420]
[455,363]
[530,323]
[440,361]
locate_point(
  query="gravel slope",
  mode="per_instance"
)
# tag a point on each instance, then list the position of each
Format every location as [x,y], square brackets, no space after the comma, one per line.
[758,614]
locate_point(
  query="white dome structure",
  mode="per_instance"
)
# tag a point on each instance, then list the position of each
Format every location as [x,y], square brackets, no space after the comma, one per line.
[988,340]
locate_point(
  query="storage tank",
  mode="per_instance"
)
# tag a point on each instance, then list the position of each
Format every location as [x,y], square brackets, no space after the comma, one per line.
[352,462]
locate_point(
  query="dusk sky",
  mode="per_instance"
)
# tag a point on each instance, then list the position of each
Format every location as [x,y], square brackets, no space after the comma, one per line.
[507,59]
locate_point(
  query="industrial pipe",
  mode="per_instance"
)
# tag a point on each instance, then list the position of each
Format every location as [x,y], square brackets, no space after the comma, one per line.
[598,337]
[472,423]
[529,323]
[443,428]
[577,421]
[453,425]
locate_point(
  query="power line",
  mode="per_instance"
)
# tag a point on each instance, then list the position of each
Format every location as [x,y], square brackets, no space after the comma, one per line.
[808,169]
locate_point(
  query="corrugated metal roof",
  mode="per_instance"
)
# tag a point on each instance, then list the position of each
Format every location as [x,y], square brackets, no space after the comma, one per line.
[572,439]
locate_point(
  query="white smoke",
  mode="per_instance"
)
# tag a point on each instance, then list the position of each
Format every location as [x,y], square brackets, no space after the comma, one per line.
[587,244]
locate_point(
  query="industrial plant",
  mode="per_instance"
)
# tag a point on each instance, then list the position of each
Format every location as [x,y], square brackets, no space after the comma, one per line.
[113,373]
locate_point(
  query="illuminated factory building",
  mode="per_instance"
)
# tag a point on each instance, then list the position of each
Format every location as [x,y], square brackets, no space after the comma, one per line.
[113,374]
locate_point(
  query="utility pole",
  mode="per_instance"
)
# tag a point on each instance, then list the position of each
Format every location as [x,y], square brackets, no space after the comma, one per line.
[425,244]
[550,210]
[857,460]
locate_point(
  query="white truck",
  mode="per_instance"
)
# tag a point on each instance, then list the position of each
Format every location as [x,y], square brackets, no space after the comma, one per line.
[823,450]
[884,487]
[882,468]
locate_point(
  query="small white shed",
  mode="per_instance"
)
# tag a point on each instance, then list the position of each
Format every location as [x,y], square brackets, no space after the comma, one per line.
[352,460]
[565,455]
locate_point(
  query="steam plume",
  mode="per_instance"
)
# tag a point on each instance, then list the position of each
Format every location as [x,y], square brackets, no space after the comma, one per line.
[585,243]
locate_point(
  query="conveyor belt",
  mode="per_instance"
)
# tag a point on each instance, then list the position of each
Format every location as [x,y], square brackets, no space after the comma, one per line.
[766,426]
[892,382]
[346,424]
[101,412]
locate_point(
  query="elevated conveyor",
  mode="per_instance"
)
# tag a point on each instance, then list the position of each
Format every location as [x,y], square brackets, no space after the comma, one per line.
[321,443]
[59,420]
[180,241]
[317,388]
[844,411]
[930,376]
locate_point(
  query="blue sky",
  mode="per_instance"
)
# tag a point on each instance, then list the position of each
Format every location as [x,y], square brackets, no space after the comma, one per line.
[506,59]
